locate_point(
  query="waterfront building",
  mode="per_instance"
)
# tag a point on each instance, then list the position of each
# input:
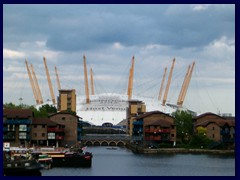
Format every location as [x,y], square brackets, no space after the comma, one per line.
[17,126]
[219,129]
[45,132]
[73,127]
[154,127]
[134,109]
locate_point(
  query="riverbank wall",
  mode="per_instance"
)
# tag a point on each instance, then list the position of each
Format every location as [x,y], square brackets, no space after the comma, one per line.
[141,150]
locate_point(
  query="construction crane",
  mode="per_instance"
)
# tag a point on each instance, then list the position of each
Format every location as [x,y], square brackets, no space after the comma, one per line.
[32,83]
[186,85]
[58,82]
[49,81]
[130,84]
[86,80]
[162,84]
[92,84]
[38,91]
[183,86]
[168,83]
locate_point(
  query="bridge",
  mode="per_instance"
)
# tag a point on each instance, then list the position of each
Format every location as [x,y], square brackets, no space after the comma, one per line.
[106,139]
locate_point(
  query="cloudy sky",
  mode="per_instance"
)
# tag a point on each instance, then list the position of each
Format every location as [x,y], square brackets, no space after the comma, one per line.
[109,35]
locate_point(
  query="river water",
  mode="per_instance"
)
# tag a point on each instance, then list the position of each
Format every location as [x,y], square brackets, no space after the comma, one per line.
[122,162]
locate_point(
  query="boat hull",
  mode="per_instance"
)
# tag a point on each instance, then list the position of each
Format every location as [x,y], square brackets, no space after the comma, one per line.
[74,161]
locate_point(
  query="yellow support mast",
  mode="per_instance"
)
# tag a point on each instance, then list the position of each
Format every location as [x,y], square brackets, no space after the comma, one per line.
[168,83]
[130,88]
[49,81]
[187,84]
[86,80]
[92,84]
[31,82]
[58,82]
[162,84]
[39,94]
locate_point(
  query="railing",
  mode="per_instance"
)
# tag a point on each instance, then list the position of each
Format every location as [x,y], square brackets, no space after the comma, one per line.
[150,138]
[59,137]
[223,132]
[115,137]
[55,129]
[157,131]
[18,121]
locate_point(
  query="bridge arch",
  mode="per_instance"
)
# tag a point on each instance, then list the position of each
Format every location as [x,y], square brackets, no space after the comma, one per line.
[112,143]
[89,143]
[96,143]
[104,143]
[120,143]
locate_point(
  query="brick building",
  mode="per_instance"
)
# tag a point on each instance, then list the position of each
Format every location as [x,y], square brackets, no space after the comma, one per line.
[220,129]
[156,127]
[72,131]
[45,132]
[17,126]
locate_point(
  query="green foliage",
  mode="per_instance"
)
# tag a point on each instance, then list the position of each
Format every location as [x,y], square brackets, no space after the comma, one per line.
[43,111]
[200,141]
[201,130]
[184,125]
[20,106]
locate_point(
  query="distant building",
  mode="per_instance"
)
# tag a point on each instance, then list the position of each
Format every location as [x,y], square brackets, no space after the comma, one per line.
[67,100]
[17,126]
[134,109]
[220,129]
[155,127]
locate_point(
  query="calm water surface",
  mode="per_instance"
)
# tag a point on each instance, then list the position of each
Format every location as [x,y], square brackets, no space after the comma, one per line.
[122,162]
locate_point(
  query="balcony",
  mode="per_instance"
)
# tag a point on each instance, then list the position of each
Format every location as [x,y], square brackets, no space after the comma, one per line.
[58,137]
[7,137]
[55,129]
[155,131]
[18,121]
[153,138]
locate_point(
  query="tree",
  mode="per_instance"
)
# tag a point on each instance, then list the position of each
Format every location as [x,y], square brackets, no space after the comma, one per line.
[45,110]
[184,125]
[201,130]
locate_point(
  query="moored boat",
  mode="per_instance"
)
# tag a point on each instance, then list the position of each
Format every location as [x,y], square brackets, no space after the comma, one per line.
[20,166]
[66,158]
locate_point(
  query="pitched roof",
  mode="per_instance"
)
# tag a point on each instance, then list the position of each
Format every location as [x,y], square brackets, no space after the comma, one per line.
[219,122]
[20,113]
[64,112]
[158,122]
[151,113]
[44,121]
[206,114]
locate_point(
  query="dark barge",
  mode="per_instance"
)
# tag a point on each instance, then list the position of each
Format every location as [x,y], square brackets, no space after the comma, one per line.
[67,158]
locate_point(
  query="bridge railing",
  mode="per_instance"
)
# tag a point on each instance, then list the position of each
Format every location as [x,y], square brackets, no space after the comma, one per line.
[89,137]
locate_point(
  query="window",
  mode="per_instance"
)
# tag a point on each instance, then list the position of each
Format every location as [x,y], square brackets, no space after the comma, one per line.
[51,135]
[63,118]
[43,134]
[22,135]
[43,126]
[11,127]
[35,126]
[213,128]
[22,127]
[172,135]
[213,135]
